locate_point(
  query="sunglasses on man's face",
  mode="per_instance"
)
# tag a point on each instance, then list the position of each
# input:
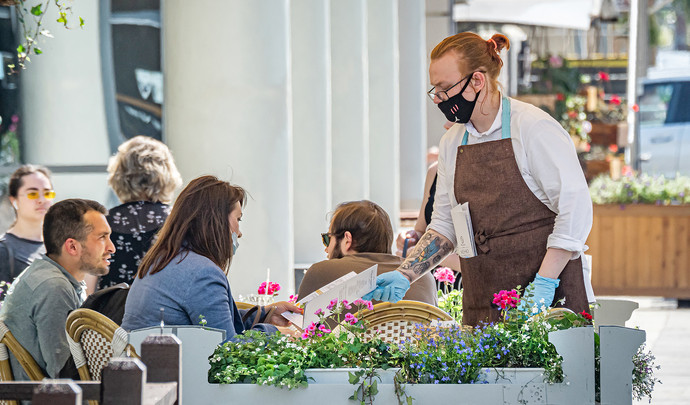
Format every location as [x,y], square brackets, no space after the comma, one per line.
[326,239]
[47,194]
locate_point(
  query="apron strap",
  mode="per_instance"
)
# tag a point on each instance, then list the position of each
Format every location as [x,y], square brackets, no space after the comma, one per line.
[505,118]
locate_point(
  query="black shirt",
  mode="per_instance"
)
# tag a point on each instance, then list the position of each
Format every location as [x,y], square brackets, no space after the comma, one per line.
[21,251]
[134,226]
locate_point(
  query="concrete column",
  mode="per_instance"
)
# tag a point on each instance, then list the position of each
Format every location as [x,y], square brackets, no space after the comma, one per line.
[413,100]
[350,78]
[63,118]
[384,107]
[227,112]
[439,25]
[311,95]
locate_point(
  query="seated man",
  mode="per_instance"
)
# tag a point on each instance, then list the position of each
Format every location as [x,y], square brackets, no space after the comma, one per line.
[360,236]
[77,240]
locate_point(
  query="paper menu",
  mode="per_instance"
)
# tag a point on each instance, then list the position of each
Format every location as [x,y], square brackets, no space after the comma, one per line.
[462,222]
[348,287]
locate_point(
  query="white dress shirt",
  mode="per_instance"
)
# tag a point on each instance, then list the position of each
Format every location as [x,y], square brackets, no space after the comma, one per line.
[547,160]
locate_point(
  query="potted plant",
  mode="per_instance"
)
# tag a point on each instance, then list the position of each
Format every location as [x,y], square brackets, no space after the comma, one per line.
[639,236]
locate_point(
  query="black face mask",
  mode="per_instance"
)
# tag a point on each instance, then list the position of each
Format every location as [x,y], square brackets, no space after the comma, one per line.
[456,108]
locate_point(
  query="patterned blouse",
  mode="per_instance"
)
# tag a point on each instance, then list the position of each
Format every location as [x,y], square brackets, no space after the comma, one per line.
[134,226]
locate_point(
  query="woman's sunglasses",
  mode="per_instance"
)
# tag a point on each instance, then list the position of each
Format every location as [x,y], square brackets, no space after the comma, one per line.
[33,195]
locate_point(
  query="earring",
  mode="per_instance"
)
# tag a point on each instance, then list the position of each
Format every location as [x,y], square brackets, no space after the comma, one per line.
[14,204]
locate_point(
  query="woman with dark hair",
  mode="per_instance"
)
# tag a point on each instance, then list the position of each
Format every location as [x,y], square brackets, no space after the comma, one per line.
[31,194]
[185,271]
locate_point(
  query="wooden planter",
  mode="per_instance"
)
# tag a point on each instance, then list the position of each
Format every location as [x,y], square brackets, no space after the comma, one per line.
[641,250]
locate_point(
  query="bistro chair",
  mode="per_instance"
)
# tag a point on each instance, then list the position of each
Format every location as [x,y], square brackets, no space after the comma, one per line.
[395,322]
[244,305]
[93,340]
[8,341]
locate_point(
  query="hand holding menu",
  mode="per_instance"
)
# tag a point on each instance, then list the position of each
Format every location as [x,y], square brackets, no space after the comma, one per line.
[348,287]
[462,222]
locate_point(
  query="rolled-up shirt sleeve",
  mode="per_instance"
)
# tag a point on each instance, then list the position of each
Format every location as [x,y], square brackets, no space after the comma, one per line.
[444,201]
[554,166]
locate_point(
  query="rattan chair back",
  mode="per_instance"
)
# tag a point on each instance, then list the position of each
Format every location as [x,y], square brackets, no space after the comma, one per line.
[244,305]
[9,342]
[395,322]
[94,339]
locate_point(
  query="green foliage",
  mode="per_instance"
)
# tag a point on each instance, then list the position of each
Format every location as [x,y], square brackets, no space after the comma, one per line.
[31,22]
[641,189]
[643,374]
[451,302]
[255,357]
[574,117]
[259,358]
[36,10]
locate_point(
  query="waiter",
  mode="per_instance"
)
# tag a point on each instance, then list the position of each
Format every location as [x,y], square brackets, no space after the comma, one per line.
[517,169]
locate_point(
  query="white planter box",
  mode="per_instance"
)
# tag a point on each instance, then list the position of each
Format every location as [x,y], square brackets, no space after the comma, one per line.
[519,376]
[341,375]
[575,345]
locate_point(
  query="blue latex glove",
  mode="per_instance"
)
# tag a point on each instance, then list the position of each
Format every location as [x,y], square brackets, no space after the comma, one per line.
[390,287]
[543,291]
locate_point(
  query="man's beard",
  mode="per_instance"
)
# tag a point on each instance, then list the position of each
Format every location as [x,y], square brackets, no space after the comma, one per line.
[93,270]
[336,253]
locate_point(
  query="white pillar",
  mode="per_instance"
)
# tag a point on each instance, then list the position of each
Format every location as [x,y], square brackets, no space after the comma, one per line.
[384,106]
[311,95]
[413,79]
[62,111]
[228,111]
[439,25]
[350,78]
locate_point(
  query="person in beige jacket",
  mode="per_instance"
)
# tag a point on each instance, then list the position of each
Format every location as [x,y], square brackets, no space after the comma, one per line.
[360,236]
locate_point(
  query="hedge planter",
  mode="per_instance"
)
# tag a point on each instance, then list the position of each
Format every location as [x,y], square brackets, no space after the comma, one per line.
[641,249]
[575,345]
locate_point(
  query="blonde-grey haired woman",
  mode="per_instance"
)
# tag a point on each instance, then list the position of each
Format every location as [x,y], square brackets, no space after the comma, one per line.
[144,177]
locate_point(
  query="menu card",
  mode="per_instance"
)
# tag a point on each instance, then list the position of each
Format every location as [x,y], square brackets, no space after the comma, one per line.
[462,222]
[348,287]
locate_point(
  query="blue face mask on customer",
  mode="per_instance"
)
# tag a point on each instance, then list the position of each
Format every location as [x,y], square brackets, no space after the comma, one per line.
[235,243]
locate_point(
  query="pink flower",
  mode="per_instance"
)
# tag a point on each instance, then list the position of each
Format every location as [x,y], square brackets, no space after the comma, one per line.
[309,331]
[293,298]
[615,100]
[347,304]
[363,303]
[318,312]
[273,288]
[445,275]
[350,318]
[324,329]
[332,305]
[603,76]
[555,61]
[506,299]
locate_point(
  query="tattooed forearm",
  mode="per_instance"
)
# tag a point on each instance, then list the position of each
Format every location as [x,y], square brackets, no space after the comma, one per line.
[431,249]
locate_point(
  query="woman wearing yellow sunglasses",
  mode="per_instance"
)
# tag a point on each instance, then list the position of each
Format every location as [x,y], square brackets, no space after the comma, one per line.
[31,194]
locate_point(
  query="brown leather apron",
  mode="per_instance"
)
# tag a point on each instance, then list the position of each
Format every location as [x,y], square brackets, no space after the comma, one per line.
[511,227]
